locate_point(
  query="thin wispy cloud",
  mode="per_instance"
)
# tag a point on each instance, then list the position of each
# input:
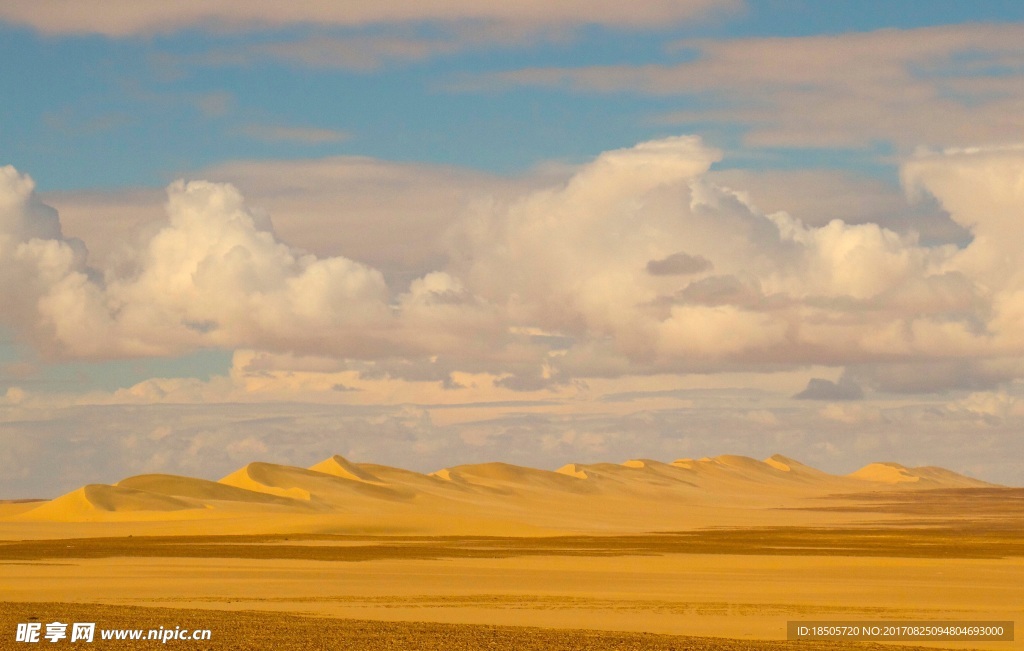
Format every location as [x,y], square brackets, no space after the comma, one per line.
[125,18]
[940,85]
[294,134]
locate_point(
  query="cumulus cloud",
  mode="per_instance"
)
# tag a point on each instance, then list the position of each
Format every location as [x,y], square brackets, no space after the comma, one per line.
[392,216]
[577,260]
[389,215]
[37,262]
[983,190]
[574,259]
[816,197]
[214,275]
[638,263]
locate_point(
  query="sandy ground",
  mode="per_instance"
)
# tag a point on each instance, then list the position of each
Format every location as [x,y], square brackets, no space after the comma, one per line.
[250,631]
[600,556]
[636,496]
[633,584]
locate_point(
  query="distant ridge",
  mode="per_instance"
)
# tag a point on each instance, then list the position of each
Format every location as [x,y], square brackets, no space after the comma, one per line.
[635,495]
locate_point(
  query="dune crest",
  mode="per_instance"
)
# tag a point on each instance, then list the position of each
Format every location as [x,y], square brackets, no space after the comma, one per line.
[260,478]
[889,473]
[634,495]
[779,462]
[925,476]
[572,470]
[199,489]
[339,466]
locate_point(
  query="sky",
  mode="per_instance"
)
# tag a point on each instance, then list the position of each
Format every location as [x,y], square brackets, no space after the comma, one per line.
[426,234]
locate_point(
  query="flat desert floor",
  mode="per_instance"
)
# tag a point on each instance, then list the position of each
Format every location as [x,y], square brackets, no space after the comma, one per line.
[926,555]
[735,585]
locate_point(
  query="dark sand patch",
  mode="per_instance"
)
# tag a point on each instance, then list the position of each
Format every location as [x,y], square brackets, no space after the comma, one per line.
[252,631]
[917,542]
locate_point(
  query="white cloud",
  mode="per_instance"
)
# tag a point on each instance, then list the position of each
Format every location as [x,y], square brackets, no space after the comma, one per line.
[392,216]
[989,405]
[817,196]
[575,260]
[925,85]
[367,52]
[127,17]
[36,261]
[14,396]
[983,190]
[534,287]
[214,275]
[295,134]
[851,414]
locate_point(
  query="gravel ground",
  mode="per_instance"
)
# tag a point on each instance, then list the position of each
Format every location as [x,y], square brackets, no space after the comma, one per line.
[259,631]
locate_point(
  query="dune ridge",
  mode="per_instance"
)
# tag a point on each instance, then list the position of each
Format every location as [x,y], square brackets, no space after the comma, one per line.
[635,495]
[339,466]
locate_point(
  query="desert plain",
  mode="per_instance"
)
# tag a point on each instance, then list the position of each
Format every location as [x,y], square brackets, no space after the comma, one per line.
[697,553]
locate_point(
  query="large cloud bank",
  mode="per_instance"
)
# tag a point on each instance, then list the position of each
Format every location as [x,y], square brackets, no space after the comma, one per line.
[637,264]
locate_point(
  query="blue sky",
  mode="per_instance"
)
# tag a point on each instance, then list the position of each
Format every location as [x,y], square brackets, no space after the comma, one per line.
[396,215]
[86,110]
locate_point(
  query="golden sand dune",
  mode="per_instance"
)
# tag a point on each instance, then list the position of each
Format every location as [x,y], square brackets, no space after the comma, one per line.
[338,495]
[311,485]
[923,477]
[341,467]
[208,492]
[93,501]
[890,473]
[510,479]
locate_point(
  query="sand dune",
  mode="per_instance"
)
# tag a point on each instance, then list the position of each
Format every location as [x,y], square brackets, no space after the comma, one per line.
[95,501]
[888,473]
[635,476]
[201,489]
[342,467]
[738,475]
[312,485]
[796,469]
[573,470]
[510,479]
[774,468]
[635,495]
[266,478]
[924,477]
